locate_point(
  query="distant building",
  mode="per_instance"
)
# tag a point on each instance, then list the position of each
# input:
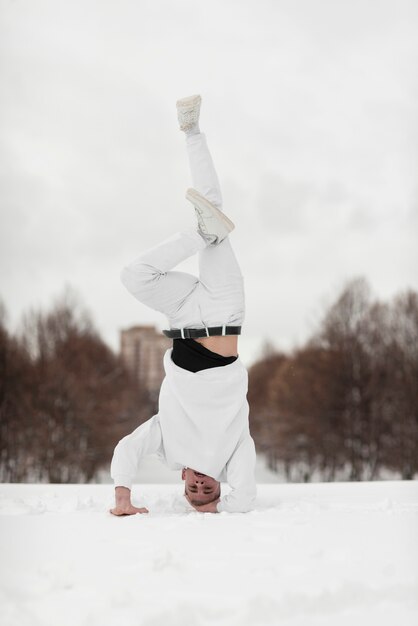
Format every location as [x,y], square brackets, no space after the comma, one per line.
[142,349]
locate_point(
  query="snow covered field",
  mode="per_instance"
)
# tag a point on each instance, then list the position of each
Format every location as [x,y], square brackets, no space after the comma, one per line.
[317,554]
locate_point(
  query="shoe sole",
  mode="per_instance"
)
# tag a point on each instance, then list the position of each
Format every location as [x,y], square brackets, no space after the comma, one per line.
[190,101]
[197,199]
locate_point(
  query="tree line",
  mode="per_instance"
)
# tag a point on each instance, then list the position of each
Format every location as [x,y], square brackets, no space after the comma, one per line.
[342,406]
[65,397]
[345,404]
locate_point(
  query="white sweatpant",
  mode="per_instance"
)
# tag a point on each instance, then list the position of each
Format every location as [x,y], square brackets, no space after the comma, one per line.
[214,298]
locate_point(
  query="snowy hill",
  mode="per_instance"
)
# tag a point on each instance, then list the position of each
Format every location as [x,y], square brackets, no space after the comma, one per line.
[309,554]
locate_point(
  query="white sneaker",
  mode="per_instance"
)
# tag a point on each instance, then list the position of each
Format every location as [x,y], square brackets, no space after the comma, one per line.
[188,110]
[214,225]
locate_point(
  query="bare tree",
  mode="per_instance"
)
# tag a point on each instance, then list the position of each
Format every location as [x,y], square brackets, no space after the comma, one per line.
[346,402]
[342,332]
[402,449]
[15,407]
[76,399]
[264,417]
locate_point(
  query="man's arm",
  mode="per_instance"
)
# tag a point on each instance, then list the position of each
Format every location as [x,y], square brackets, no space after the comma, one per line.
[144,440]
[123,504]
[240,475]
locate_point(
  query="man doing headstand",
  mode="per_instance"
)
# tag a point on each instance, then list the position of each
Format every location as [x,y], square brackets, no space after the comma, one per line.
[202,424]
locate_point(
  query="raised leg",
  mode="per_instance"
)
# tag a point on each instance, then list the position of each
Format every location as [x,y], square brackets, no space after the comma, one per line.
[150,279]
[219,270]
[214,298]
[204,176]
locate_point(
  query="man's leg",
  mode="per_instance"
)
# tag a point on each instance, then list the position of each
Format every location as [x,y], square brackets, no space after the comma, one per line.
[149,276]
[204,176]
[219,270]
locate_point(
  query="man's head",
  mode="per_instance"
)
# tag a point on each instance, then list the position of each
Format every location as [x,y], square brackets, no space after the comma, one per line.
[200,488]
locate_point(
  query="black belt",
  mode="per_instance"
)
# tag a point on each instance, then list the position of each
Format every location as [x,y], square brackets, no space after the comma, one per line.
[211,331]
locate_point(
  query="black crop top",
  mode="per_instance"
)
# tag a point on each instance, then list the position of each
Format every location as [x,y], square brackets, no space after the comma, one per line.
[193,356]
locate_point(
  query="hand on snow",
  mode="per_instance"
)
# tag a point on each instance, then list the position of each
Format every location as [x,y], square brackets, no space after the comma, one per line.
[123,503]
[127,509]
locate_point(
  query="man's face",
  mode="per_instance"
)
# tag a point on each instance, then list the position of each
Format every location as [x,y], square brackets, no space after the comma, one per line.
[200,488]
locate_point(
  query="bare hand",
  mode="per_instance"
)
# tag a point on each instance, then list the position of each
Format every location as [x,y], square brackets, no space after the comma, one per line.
[127,509]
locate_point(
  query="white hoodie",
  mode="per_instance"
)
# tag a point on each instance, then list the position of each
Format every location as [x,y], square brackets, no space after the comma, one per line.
[202,423]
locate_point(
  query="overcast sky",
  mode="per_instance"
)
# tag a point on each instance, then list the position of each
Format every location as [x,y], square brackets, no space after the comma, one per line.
[310,111]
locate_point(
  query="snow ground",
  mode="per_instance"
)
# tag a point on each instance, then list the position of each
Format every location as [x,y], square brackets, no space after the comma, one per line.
[317,554]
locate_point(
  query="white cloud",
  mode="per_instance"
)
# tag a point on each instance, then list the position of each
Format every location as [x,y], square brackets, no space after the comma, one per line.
[310,113]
